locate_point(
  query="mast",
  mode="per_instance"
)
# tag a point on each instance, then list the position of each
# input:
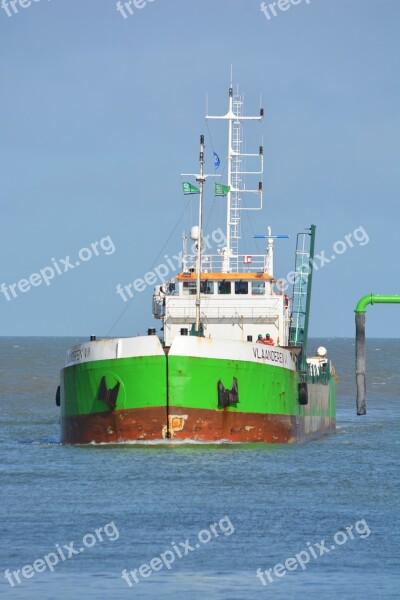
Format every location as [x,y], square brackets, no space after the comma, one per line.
[200,180]
[235,118]
[228,206]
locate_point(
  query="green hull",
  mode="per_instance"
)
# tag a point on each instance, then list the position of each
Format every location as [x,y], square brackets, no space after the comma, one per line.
[143,383]
[192,397]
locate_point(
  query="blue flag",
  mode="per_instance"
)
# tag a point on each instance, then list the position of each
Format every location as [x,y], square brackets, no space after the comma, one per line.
[217,162]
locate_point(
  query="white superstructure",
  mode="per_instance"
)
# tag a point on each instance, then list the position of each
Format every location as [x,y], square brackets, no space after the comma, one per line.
[239,298]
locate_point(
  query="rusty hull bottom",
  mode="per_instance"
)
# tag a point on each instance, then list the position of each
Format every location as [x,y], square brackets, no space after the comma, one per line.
[114,426]
[145,424]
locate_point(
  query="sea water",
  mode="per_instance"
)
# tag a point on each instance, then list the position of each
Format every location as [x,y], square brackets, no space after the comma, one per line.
[198,521]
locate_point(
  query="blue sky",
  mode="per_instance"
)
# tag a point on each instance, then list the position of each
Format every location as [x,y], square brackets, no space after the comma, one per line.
[101,114]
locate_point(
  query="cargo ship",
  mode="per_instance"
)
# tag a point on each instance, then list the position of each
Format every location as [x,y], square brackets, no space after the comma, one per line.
[230,363]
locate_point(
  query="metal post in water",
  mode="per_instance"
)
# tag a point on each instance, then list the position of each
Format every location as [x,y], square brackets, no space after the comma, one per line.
[360,311]
[360,363]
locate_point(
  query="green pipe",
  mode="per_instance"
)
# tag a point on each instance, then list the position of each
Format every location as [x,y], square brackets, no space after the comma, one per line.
[360,311]
[375,299]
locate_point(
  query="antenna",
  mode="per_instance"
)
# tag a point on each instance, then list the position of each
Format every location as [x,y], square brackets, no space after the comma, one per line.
[269,263]
[236,173]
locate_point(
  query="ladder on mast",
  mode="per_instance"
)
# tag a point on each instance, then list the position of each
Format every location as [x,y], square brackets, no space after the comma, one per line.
[237,141]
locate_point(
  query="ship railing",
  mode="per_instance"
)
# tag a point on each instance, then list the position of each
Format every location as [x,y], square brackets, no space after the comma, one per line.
[213,263]
[318,373]
[224,314]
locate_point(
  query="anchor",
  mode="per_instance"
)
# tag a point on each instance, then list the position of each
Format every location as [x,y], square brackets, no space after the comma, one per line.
[226,396]
[109,396]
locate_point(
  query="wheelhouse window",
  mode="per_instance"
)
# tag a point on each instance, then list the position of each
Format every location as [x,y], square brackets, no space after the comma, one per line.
[169,288]
[224,287]
[207,287]
[241,287]
[258,288]
[189,288]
